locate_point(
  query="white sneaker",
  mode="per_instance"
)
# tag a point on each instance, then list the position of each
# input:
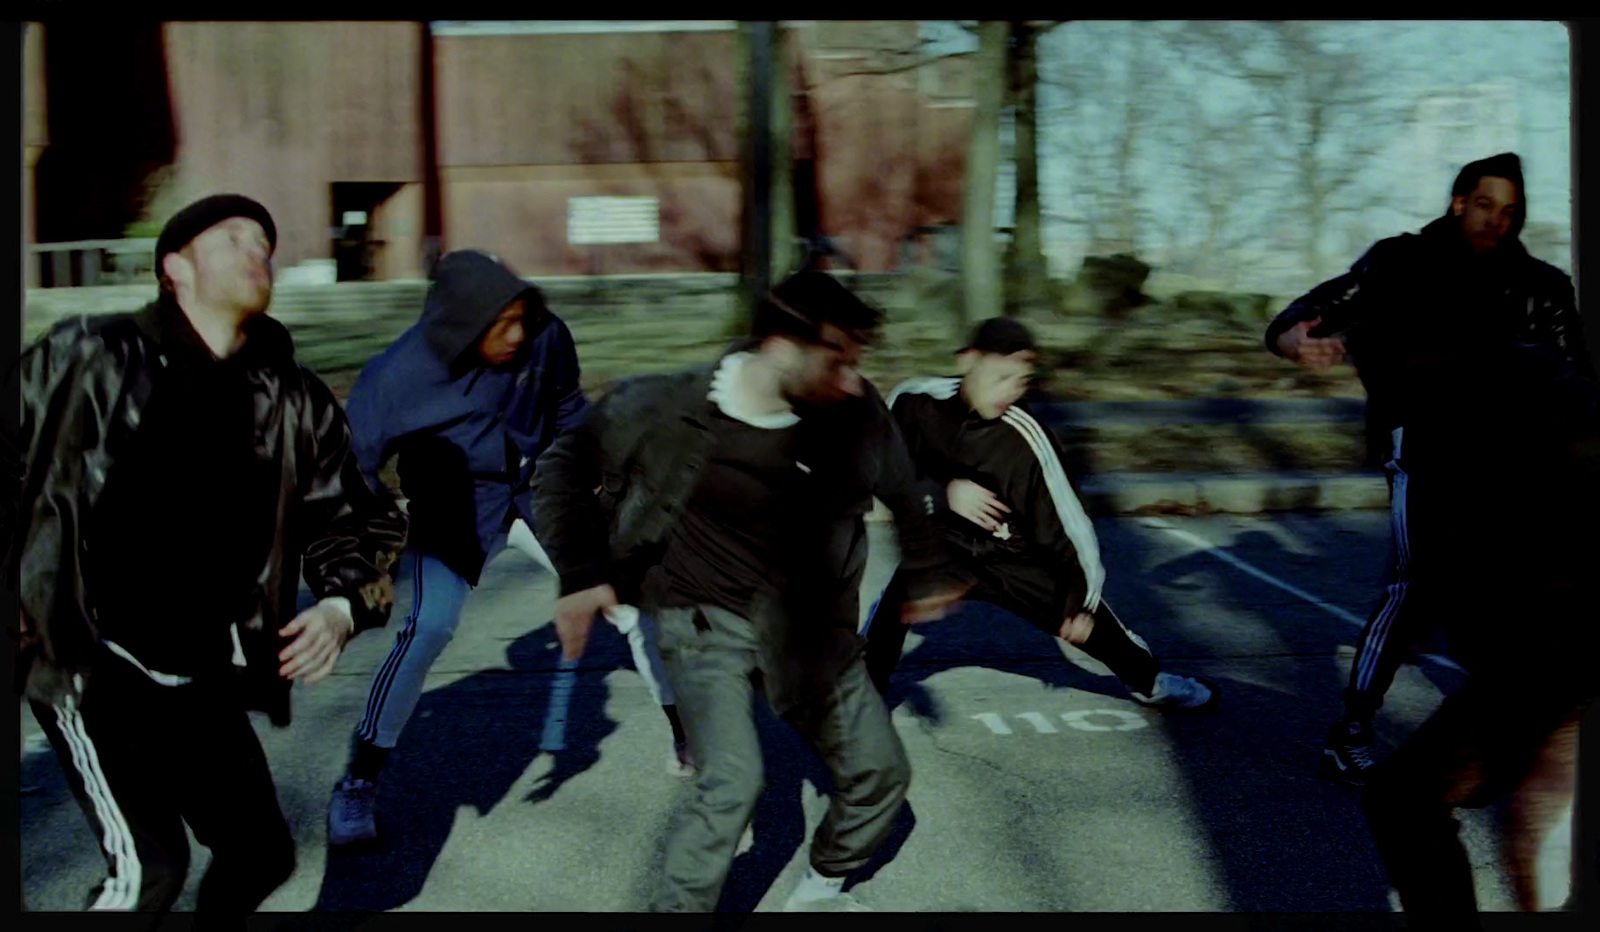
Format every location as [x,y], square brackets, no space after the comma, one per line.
[681,764]
[819,894]
[1179,693]
[350,812]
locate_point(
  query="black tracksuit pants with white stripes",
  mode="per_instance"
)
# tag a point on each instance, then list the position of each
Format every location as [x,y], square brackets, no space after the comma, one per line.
[1391,630]
[143,759]
[1030,592]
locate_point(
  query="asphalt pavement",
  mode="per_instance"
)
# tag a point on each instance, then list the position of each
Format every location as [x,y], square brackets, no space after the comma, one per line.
[1039,784]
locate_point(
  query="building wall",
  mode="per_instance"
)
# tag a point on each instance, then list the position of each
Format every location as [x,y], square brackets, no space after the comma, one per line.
[890,148]
[528,121]
[280,111]
[34,138]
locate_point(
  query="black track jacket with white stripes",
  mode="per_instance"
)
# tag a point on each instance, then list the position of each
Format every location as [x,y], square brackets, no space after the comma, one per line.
[1015,457]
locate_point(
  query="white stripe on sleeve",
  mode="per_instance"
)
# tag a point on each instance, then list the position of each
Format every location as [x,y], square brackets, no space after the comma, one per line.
[1074,520]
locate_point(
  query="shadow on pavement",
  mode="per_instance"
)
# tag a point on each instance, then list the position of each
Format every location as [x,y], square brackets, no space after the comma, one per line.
[1284,838]
[468,744]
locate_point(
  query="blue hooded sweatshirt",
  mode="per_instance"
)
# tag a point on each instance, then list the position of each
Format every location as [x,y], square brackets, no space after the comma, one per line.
[467,435]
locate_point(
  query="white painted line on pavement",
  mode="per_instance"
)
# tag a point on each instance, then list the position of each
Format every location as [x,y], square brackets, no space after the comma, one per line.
[1226,557]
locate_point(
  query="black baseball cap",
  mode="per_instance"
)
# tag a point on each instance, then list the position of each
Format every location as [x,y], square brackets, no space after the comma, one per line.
[206,213]
[1001,336]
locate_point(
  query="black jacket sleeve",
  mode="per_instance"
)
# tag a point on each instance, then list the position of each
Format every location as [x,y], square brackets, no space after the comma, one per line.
[924,556]
[1565,325]
[568,482]
[1341,302]
[53,445]
[931,473]
[353,534]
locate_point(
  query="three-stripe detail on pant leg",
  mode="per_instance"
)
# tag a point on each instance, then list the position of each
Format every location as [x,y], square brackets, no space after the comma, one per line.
[121,890]
[1377,637]
[368,729]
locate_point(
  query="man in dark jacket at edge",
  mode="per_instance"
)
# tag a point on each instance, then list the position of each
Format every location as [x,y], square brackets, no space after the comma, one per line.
[1465,278]
[1511,586]
[179,471]
[466,399]
[732,508]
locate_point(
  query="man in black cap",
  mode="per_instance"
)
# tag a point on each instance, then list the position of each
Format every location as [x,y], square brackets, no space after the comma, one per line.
[181,471]
[990,475]
[731,508]
[1466,279]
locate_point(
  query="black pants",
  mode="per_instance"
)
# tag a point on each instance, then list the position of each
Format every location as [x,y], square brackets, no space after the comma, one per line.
[712,661]
[1031,593]
[1392,629]
[144,758]
[1481,745]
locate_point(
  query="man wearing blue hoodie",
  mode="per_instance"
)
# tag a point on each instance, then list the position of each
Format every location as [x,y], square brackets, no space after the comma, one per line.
[466,400]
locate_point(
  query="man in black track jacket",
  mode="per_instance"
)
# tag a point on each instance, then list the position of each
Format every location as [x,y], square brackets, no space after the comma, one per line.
[1464,280]
[990,476]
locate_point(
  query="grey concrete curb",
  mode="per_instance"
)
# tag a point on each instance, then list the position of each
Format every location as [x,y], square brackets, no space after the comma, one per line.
[1245,493]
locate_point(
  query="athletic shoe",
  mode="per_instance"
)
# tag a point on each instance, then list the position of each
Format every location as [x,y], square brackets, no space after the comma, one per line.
[350,813]
[818,894]
[681,763]
[1347,755]
[1180,693]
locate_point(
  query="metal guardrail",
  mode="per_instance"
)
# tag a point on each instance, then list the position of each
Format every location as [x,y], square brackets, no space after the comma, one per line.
[1214,411]
[92,262]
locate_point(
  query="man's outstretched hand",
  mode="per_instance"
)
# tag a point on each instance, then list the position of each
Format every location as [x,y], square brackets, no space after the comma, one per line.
[319,635]
[575,616]
[1298,345]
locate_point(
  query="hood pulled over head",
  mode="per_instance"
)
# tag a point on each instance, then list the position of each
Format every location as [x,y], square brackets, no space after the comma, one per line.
[469,290]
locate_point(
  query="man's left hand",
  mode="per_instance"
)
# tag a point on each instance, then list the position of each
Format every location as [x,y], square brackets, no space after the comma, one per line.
[320,634]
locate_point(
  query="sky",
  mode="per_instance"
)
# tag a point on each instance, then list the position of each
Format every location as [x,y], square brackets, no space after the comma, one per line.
[1512,78]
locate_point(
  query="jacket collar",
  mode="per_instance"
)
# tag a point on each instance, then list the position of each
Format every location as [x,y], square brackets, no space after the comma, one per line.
[266,340]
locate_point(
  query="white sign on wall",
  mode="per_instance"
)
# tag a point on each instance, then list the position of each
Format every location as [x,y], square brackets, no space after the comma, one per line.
[598,220]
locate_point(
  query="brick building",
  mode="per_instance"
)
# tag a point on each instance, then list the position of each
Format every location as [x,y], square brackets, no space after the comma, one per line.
[364,138]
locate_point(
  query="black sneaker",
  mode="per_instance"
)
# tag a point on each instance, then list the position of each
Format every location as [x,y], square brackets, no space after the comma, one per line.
[1348,754]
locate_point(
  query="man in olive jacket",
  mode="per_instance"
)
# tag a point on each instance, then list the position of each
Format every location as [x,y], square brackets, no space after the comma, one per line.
[731,503]
[178,470]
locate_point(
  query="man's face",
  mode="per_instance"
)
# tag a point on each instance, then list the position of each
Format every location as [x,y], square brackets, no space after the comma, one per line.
[826,372]
[227,266]
[994,383]
[505,336]
[1487,213]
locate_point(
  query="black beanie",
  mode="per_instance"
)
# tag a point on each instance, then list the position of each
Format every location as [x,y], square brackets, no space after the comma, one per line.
[1505,165]
[1001,336]
[206,213]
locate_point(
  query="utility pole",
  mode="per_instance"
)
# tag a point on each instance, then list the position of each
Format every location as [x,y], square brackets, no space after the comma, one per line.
[756,278]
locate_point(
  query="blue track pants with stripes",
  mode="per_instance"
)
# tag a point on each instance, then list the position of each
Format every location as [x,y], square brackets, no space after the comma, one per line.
[437,597]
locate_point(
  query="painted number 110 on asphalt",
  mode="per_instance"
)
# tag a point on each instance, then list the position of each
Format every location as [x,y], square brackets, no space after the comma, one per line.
[1082,720]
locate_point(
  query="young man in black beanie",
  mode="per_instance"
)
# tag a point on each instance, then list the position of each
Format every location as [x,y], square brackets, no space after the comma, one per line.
[1465,278]
[990,475]
[732,507]
[181,471]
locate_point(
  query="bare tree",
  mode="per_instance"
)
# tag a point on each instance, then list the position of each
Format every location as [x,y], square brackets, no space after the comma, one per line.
[1110,104]
[980,256]
[1027,278]
[1327,105]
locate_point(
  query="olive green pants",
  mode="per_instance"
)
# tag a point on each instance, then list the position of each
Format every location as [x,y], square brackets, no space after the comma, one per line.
[712,660]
